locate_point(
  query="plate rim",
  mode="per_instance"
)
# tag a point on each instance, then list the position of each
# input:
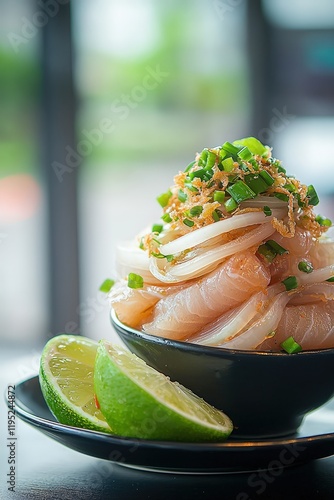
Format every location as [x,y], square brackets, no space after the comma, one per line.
[267,449]
[235,445]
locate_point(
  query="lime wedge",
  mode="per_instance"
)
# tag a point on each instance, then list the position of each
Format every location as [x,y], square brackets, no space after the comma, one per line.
[139,402]
[67,381]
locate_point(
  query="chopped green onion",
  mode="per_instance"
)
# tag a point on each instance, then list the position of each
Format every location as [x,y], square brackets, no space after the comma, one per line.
[282,196]
[231,149]
[203,157]
[189,186]
[141,243]
[222,154]
[271,249]
[253,144]
[228,164]
[254,164]
[211,160]
[256,183]
[232,178]
[230,205]
[301,204]
[163,199]
[291,346]
[162,256]
[331,280]
[158,255]
[107,285]
[189,166]
[245,154]
[157,228]
[312,196]
[290,283]
[215,215]
[267,211]
[166,218]
[305,267]
[197,210]
[208,174]
[290,187]
[267,252]
[135,281]
[244,167]
[240,192]
[219,196]
[323,221]
[268,179]
[276,247]
[181,195]
[188,222]
[197,173]
[281,169]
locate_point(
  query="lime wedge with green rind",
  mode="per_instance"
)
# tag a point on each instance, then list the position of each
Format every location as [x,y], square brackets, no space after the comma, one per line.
[67,382]
[139,402]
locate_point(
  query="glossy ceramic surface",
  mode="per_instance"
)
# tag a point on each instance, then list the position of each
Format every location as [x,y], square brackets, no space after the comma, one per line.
[265,394]
[314,440]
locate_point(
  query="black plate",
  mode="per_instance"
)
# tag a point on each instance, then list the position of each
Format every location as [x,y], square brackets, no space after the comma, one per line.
[231,456]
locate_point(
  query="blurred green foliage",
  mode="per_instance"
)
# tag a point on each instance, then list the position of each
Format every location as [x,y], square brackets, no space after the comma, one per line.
[19,104]
[204,88]
[172,118]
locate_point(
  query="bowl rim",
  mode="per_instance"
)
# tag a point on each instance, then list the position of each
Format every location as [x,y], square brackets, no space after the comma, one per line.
[211,350]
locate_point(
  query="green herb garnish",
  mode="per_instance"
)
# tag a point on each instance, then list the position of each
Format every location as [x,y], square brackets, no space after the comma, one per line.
[240,192]
[107,285]
[219,196]
[323,221]
[188,222]
[290,283]
[195,211]
[135,281]
[291,346]
[230,205]
[157,228]
[305,267]
[166,218]
[163,199]
[181,195]
[312,196]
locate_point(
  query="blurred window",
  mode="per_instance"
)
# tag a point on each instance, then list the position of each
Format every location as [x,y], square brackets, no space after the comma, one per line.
[158,81]
[23,301]
[301,68]
[300,14]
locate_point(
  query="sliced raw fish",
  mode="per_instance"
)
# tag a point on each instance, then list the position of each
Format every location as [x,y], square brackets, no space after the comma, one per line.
[134,306]
[311,325]
[186,312]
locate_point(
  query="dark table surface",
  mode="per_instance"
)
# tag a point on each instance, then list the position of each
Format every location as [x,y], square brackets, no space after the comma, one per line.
[46,470]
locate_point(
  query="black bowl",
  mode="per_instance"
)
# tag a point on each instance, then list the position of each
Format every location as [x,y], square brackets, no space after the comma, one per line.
[265,394]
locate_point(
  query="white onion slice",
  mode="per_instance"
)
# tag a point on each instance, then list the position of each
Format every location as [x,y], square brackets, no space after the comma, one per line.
[232,322]
[317,276]
[205,233]
[207,260]
[131,259]
[256,333]
[259,330]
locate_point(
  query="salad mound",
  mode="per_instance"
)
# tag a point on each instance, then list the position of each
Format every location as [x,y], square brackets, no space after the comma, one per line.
[239,249]
[222,181]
